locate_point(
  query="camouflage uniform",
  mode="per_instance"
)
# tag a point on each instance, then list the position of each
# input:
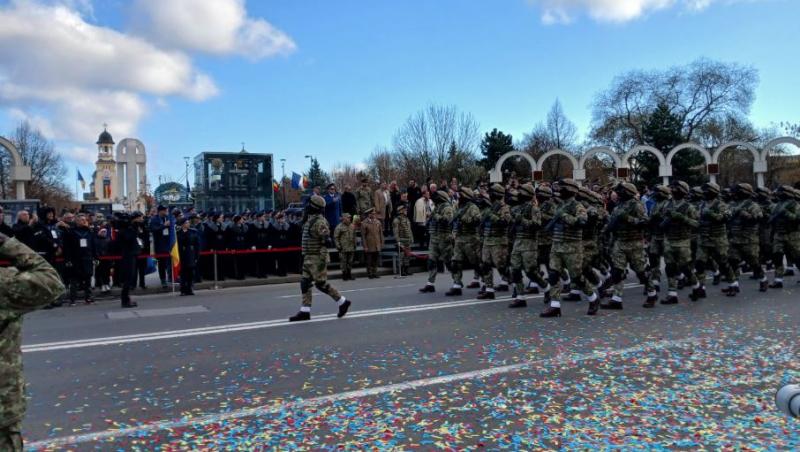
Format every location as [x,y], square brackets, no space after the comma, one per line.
[345,238]
[627,223]
[713,242]
[655,248]
[786,235]
[524,255]
[679,221]
[495,240]
[547,208]
[441,243]
[745,218]
[401,227]
[764,228]
[316,232]
[597,215]
[467,247]
[30,283]
[566,254]
[364,199]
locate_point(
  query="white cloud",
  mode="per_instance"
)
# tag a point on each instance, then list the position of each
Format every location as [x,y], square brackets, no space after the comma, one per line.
[564,11]
[211,26]
[82,155]
[83,75]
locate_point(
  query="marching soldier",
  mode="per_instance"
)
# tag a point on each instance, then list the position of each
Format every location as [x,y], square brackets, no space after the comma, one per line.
[495,240]
[566,254]
[678,223]
[627,223]
[344,237]
[655,249]
[713,242]
[466,222]
[746,216]
[764,198]
[401,227]
[28,284]
[547,208]
[484,203]
[441,243]
[527,221]
[786,235]
[316,232]
[597,216]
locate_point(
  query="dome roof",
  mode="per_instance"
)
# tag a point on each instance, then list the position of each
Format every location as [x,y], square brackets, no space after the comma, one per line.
[105,138]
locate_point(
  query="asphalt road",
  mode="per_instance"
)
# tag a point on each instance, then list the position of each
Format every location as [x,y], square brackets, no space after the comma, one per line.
[403,370]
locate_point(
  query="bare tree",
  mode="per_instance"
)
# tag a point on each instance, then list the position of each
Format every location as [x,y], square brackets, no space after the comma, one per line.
[557,132]
[344,174]
[381,165]
[422,145]
[47,165]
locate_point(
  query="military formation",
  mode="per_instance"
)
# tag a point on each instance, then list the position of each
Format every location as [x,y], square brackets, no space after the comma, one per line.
[572,243]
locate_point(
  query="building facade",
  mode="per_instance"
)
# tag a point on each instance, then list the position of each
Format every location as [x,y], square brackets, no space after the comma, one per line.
[233,181]
[121,177]
[104,180]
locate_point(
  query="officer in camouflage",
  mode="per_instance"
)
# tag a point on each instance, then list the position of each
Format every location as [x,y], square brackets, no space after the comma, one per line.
[746,216]
[401,227]
[627,223]
[495,240]
[785,220]
[713,241]
[441,243]
[566,254]
[524,255]
[678,223]
[344,237]
[28,284]
[467,247]
[655,248]
[316,232]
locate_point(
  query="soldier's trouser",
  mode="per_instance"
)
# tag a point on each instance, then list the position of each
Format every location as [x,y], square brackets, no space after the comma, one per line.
[544,254]
[11,438]
[746,252]
[654,252]
[187,278]
[315,273]
[441,250]
[710,253]
[591,261]
[80,283]
[624,254]
[788,245]
[346,261]
[493,256]
[372,262]
[524,258]
[465,252]
[402,257]
[678,259]
[764,244]
[565,258]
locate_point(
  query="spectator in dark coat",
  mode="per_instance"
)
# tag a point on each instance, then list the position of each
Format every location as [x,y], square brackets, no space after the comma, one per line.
[333,206]
[279,237]
[414,193]
[236,239]
[143,233]
[349,204]
[214,233]
[4,228]
[159,227]
[22,229]
[189,252]
[102,242]
[258,233]
[80,254]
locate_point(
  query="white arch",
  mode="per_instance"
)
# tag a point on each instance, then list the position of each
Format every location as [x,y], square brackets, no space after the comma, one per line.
[643,148]
[496,175]
[778,141]
[730,144]
[12,150]
[600,150]
[706,155]
[560,152]
[20,173]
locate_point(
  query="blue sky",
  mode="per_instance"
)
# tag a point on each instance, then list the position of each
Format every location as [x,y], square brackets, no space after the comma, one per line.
[338,78]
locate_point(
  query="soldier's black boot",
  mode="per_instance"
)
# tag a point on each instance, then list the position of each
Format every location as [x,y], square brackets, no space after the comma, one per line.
[547,298]
[762,286]
[650,302]
[453,292]
[488,295]
[776,285]
[613,305]
[343,307]
[532,290]
[789,272]
[681,283]
[717,279]
[502,287]
[731,291]
[300,317]
[429,288]
[572,296]
[551,312]
[518,303]
[697,293]
[594,306]
[671,299]
[474,285]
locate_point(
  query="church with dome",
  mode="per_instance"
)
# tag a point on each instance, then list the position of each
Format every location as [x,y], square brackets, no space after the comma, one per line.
[120,176]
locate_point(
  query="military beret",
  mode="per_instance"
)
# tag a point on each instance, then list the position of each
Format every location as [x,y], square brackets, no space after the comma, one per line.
[317,201]
[711,187]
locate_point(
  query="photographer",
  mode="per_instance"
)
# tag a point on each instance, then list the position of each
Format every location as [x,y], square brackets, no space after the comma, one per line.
[30,283]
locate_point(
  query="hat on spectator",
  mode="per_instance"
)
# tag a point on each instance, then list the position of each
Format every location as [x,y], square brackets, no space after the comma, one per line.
[136,214]
[180,221]
[192,216]
[330,185]
[160,208]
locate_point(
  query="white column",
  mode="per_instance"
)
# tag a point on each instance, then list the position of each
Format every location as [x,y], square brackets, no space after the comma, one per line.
[20,190]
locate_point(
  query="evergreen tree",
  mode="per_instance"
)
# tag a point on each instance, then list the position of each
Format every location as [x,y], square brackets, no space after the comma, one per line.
[493,146]
[316,176]
[663,131]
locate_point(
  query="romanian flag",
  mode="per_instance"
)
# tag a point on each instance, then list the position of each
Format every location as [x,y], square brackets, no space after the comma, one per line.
[173,249]
[306,182]
[276,187]
[81,179]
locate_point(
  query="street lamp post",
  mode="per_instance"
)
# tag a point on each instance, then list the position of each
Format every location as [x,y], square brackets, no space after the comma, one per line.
[283,181]
[310,161]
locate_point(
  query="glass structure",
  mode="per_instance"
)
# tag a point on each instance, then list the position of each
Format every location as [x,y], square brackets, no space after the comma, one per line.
[233,182]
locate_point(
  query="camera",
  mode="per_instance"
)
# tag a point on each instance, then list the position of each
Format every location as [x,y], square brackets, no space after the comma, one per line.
[788,400]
